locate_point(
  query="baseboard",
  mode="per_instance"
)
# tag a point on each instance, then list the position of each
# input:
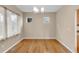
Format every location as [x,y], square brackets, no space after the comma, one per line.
[12,46]
[39,38]
[65,46]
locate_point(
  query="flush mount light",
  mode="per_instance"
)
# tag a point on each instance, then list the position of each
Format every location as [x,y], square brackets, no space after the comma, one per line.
[35,9]
[42,9]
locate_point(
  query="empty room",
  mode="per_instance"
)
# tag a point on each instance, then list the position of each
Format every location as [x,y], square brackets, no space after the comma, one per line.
[38,28]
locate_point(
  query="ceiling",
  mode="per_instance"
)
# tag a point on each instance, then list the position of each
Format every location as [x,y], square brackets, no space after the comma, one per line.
[48,8]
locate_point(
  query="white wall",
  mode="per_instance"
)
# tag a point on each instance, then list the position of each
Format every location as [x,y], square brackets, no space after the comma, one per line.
[37,29]
[65,23]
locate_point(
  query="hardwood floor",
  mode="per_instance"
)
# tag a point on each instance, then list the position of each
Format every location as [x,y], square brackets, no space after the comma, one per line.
[78,43]
[39,46]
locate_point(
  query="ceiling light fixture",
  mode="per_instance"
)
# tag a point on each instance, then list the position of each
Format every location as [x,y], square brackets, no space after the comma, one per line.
[42,9]
[35,9]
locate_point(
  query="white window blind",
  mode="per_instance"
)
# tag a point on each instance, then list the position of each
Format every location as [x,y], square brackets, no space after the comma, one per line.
[2,24]
[20,23]
[12,23]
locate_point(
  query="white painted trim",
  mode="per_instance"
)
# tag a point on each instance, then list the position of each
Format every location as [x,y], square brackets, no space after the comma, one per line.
[12,46]
[75,30]
[65,46]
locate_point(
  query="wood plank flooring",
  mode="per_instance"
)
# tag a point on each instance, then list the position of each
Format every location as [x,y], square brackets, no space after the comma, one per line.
[39,46]
[78,43]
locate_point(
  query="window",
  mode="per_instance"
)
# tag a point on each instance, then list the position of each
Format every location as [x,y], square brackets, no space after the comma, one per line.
[11,23]
[2,23]
[19,26]
[46,20]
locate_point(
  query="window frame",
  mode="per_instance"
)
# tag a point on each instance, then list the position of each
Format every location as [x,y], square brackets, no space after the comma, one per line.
[5,18]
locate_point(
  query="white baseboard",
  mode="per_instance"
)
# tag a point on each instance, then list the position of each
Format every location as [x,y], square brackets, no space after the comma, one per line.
[12,46]
[66,46]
